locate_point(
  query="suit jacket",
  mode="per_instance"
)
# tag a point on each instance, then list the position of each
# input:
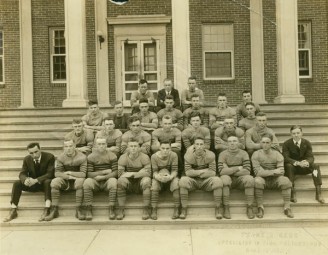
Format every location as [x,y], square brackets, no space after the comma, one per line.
[292,153]
[162,94]
[47,167]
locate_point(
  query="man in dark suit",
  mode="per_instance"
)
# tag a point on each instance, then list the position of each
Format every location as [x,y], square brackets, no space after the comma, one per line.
[36,175]
[168,90]
[299,160]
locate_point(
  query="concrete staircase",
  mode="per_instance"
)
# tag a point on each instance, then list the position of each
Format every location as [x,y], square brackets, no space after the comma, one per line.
[18,127]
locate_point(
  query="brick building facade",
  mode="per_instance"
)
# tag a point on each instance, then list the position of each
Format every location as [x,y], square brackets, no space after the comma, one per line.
[228,45]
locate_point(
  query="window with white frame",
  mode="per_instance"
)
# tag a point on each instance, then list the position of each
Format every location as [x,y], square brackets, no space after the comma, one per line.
[218,51]
[2,78]
[304,49]
[57,55]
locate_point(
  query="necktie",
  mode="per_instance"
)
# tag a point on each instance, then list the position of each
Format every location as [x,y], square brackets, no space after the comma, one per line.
[297,144]
[37,167]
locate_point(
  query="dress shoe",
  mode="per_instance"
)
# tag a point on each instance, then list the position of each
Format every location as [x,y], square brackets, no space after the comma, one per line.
[145,213]
[183,213]
[120,214]
[250,213]
[12,215]
[226,212]
[260,212]
[88,212]
[288,212]
[45,213]
[53,214]
[153,213]
[111,213]
[218,215]
[79,213]
[175,214]
[318,195]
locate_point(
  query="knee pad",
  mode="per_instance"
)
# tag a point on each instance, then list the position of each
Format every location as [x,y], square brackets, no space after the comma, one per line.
[249,181]
[226,180]
[284,182]
[217,183]
[122,183]
[259,182]
[55,183]
[184,183]
[145,183]
[87,184]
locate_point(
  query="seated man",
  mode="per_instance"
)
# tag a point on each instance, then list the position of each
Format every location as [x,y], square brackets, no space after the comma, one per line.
[241,108]
[120,119]
[165,174]
[299,160]
[268,165]
[200,173]
[82,138]
[94,118]
[222,134]
[234,168]
[187,93]
[137,133]
[37,172]
[254,135]
[70,173]
[249,121]
[134,172]
[113,136]
[176,115]
[148,120]
[219,113]
[102,174]
[195,107]
[168,90]
[142,93]
[194,130]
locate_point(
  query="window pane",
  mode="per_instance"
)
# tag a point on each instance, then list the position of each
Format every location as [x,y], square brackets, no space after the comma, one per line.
[218,37]
[1,69]
[150,57]
[218,65]
[59,67]
[304,68]
[304,36]
[128,96]
[152,86]
[151,77]
[131,77]
[130,57]
[131,86]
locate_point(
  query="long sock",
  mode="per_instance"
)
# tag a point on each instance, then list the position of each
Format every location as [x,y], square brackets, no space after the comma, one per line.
[112,197]
[259,197]
[217,194]
[226,195]
[286,197]
[88,196]
[146,197]
[121,196]
[154,198]
[176,198]
[79,197]
[48,203]
[184,197]
[249,192]
[55,194]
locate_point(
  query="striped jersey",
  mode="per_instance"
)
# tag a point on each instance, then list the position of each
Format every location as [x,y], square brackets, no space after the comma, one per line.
[263,161]
[142,137]
[173,135]
[170,162]
[194,162]
[76,163]
[94,119]
[190,133]
[204,116]
[254,135]
[81,140]
[176,115]
[222,134]
[234,158]
[128,164]
[98,161]
[113,138]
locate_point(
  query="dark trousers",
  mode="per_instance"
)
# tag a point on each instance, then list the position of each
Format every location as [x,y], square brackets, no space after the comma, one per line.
[291,171]
[18,187]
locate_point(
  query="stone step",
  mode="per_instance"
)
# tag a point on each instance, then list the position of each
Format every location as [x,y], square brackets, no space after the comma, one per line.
[290,107]
[313,128]
[42,112]
[19,151]
[39,127]
[291,120]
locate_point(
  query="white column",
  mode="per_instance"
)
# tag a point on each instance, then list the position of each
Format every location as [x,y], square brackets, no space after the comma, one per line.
[102,53]
[76,62]
[257,51]
[26,59]
[287,48]
[181,43]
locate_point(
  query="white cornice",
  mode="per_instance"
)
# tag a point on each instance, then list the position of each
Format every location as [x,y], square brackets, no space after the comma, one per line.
[139,19]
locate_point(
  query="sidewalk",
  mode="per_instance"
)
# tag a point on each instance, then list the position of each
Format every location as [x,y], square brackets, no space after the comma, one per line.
[272,241]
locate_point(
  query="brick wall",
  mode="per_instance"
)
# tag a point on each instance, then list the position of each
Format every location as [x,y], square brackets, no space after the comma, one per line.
[10,96]
[46,14]
[213,11]
[315,89]
[138,7]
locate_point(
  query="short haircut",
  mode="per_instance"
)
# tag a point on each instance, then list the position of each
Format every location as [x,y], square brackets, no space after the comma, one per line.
[261,114]
[250,103]
[194,114]
[143,100]
[167,79]
[76,121]
[170,97]
[101,137]
[267,135]
[295,127]
[165,141]
[69,140]
[167,117]
[246,91]
[110,117]
[133,140]
[194,95]
[133,119]
[199,137]
[222,94]
[117,102]
[92,102]
[232,136]
[192,78]
[32,145]
[143,81]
